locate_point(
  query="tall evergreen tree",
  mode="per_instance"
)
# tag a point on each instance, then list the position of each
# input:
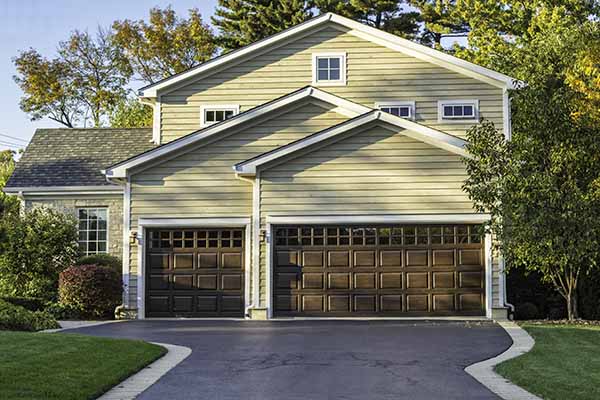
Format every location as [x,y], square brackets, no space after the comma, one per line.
[242,22]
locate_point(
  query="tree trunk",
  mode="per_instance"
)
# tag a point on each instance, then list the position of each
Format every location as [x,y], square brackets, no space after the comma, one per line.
[572,312]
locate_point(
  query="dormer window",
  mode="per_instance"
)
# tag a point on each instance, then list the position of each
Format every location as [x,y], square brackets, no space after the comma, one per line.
[215,113]
[458,110]
[403,109]
[329,69]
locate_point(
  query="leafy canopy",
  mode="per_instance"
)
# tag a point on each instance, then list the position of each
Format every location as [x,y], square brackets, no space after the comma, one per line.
[130,113]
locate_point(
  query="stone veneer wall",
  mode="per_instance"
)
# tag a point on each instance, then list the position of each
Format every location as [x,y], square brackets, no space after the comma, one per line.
[69,204]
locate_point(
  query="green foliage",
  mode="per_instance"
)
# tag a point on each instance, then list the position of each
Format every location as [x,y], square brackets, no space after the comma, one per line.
[130,113]
[92,290]
[105,260]
[17,318]
[35,246]
[165,45]
[242,22]
[29,303]
[7,166]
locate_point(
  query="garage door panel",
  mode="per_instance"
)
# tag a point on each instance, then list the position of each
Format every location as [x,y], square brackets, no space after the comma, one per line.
[195,273]
[378,270]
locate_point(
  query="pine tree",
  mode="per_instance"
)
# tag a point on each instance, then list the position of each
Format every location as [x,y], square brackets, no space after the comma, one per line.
[242,22]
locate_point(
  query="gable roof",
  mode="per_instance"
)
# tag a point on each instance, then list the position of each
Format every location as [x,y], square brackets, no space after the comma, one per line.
[414,130]
[356,28]
[75,157]
[344,107]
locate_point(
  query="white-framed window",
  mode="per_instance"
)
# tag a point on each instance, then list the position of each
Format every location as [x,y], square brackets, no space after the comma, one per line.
[93,230]
[403,109]
[458,111]
[214,113]
[329,69]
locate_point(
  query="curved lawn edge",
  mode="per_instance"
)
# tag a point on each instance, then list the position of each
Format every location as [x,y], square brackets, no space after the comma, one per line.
[133,386]
[484,373]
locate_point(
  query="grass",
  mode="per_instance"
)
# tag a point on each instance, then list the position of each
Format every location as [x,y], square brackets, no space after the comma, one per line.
[564,363]
[65,366]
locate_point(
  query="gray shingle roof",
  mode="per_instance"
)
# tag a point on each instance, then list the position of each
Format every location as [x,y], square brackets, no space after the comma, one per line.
[74,157]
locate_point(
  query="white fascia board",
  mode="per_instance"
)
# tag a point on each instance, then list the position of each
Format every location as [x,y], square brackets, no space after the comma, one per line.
[152,91]
[472,218]
[64,190]
[353,109]
[411,129]
[424,53]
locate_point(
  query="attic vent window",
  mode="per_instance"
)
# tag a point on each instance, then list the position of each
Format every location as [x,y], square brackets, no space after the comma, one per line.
[212,114]
[329,69]
[458,110]
[403,109]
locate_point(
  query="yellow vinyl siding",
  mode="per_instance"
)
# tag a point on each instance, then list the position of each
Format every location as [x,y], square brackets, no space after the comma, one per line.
[374,73]
[370,171]
[202,183]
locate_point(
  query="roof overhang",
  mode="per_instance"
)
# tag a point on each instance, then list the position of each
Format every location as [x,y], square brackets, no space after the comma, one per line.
[343,107]
[412,129]
[62,190]
[356,28]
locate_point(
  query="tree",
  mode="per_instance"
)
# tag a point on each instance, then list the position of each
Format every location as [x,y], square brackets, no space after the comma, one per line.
[130,113]
[98,69]
[166,45]
[7,166]
[48,89]
[242,22]
[439,19]
[35,246]
[83,83]
[542,188]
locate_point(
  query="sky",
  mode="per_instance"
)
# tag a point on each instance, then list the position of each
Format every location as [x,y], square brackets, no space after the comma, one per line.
[41,24]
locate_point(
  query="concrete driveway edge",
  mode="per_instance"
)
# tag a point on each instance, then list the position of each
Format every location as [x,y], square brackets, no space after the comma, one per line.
[131,387]
[484,372]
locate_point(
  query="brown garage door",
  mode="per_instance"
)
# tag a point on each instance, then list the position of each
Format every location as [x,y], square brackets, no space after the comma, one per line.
[378,270]
[195,273]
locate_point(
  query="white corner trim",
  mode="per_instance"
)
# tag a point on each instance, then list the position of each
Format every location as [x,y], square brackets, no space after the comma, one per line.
[220,107]
[472,102]
[484,372]
[126,234]
[404,103]
[166,222]
[412,129]
[120,170]
[489,275]
[268,270]
[156,122]
[343,68]
[256,242]
[133,386]
[369,33]
[378,219]
[506,115]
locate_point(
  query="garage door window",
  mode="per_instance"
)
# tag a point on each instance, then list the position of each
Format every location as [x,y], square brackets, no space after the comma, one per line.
[93,230]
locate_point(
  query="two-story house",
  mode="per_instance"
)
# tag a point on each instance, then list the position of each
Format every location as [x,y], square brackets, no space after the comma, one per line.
[317,172]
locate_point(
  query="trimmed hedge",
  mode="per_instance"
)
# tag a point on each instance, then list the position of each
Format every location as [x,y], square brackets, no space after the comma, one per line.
[93,291]
[17,318]
[30,303]
[105,260]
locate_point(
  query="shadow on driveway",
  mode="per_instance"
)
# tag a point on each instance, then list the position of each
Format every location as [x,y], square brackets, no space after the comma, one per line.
[321,359]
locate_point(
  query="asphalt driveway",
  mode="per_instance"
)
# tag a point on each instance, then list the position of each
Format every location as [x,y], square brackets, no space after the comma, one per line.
[313,360]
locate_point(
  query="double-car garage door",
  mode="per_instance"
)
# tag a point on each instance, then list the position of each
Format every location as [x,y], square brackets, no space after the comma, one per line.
[378,270]
[346,270]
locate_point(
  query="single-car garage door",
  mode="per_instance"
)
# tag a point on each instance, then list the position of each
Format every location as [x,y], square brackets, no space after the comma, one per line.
[195,273]
[378,270]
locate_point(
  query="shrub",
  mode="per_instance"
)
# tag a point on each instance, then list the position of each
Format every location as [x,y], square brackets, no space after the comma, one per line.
[17,318]
[63,312]
[526,311]
[102,259]
[29,303]
[34,247]
[92,290]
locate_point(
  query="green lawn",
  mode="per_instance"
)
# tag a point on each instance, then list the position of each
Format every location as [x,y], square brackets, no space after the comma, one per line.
[65,366]
[564,363]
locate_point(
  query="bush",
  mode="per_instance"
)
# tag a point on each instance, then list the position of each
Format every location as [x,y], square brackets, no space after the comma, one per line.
[29,303]
[105,260]
[63,312]
[93,291]
[34,247]
[526,311]
[17,318]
